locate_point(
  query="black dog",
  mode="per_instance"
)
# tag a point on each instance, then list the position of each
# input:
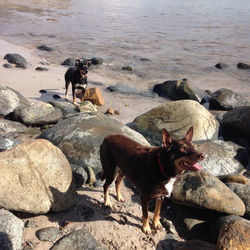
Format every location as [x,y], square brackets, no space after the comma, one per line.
[77,76]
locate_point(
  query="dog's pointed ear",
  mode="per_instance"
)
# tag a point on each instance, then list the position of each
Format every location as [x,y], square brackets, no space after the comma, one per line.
[189,134]
[77,62]
[166,138]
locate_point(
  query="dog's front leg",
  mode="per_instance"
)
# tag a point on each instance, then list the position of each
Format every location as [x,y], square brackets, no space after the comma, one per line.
[156,219]
[67,88]
[74,94]
[145,220]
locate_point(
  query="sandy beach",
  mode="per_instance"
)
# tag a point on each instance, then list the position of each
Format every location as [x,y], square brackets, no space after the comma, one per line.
[30,81]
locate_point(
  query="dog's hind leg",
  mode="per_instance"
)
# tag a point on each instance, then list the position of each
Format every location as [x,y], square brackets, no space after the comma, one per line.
[118,181]
[105,189]
[156,219]
[108,173]
[145,220]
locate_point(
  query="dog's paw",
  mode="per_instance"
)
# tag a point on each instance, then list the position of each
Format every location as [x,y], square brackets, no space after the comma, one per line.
[146,229]
[157,225]
[120,198]
[107,203]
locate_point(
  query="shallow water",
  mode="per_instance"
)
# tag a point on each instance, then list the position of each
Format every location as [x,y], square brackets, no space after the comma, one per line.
[160,39]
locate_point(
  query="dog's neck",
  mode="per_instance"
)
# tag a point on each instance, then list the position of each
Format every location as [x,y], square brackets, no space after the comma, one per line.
[160,164]
[166,173]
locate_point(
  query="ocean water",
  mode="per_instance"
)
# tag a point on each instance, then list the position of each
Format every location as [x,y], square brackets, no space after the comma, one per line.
[159,39]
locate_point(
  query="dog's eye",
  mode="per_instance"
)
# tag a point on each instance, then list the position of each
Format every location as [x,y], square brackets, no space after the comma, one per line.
[183,148]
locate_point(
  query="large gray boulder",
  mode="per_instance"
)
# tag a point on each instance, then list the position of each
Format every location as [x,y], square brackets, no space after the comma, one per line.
[222,157]
[38,115]
[9,101]
[22,100]
[234,235]
[179,90]
[80,137]
[226,99]
[11,231]
[243,191]
[205,191]
[35,177]
[177,117]
[7,143]
[237,122]
[10,128]
[68,109]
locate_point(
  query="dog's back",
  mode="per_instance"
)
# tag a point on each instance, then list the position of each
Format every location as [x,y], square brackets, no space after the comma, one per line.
[125,153]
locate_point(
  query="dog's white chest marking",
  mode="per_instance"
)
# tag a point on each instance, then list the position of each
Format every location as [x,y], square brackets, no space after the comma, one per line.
[169,186]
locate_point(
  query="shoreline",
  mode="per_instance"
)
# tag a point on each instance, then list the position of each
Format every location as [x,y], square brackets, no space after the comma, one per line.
[30,81]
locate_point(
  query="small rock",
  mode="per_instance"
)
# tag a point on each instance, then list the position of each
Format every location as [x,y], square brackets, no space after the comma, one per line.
[47,234]
[87,107]
[226,99]
[7,66]
[221,66]
[95,96]
[168,225]
[243,66]
[80,175]
[69,62]
[110,111]
[41,69]
[44,63]
[96,60]
[128,68]
[56,96]
[45,48]
[42,91]
[79,239]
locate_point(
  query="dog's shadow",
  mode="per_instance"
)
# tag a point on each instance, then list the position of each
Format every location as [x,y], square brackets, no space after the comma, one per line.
[47,95]
[88,208]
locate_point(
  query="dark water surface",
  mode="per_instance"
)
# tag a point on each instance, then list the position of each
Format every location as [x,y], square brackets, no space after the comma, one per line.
[160,39]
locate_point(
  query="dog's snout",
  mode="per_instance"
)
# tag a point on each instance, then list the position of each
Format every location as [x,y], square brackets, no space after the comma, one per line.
[202,156]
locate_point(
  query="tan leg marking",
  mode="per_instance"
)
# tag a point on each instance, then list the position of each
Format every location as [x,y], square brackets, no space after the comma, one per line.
[156,219]
[145,225]
[118,181]
[106,199]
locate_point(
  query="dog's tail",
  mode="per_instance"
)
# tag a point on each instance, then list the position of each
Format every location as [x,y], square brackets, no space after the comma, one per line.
[101,158]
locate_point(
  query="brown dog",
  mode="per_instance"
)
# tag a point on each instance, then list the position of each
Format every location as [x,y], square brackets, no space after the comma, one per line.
[151,169]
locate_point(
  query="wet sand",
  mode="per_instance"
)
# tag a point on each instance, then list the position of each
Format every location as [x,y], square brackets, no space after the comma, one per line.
[29,82]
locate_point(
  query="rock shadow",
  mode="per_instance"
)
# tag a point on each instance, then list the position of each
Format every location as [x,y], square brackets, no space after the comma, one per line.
[5,242]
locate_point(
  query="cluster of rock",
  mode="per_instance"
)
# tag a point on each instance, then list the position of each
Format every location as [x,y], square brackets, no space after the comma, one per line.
[40,175]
